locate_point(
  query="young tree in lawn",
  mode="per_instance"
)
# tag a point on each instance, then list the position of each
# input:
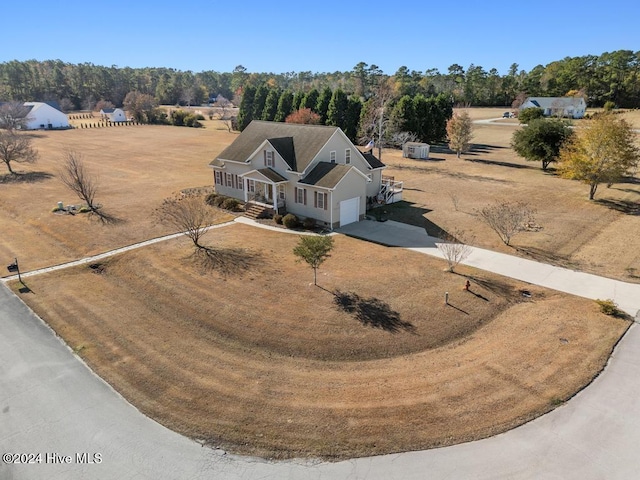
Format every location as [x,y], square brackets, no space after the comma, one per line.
[190,215]
[16,147]
[604,151]
[460,132]
[304,116]
[455,248]
[76,178]
[507,218]
[541,140]
[314,250]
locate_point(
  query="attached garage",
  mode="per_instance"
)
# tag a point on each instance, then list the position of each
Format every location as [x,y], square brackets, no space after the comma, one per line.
[349,211]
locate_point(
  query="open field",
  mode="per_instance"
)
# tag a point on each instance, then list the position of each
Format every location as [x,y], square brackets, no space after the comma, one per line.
[137,167]
[598,236]
[222,358]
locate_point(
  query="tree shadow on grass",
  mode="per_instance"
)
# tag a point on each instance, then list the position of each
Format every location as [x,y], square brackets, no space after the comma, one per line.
[627,207]
[503,164]
[226,261]
[28,177]
[372,312]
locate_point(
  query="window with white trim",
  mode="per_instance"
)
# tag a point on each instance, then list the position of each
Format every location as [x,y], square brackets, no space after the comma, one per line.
[281,192]
[320,200]
[251,186]
[228,179]
[218,177]
[301,196]
[347,156]
[332,156]
[269,160]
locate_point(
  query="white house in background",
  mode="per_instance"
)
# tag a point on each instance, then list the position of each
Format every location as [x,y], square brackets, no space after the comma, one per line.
[415,150]
[312,171]
[113,114]
[572,107]
[45,116]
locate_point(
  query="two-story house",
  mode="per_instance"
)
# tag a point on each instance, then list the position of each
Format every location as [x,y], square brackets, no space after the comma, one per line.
[308,170]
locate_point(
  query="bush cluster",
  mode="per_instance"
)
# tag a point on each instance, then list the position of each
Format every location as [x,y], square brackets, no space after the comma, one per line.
[608,307]
[309,223]
[277,218]
[290,221]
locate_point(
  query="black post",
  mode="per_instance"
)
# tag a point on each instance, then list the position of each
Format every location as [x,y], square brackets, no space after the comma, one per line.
[18,268]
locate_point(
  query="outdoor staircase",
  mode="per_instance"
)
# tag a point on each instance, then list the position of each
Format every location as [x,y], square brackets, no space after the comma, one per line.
[390,190]
[255,211]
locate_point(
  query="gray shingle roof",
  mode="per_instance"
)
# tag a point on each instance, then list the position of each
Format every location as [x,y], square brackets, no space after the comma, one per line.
[297,144]
[372,160]
[326,174]
[272,175]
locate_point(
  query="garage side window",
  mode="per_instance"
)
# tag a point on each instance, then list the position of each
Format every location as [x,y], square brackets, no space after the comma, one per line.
[320,200]
[301,195]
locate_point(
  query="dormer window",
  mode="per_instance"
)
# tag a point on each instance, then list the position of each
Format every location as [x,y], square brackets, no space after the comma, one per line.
[332,156]
[269,159]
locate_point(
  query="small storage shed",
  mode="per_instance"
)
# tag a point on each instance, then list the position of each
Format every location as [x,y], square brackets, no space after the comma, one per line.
[415,150]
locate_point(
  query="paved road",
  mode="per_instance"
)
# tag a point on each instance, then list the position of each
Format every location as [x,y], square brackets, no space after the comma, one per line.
[51,403]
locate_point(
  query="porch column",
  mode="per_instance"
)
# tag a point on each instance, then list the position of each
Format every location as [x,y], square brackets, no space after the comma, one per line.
[245,190]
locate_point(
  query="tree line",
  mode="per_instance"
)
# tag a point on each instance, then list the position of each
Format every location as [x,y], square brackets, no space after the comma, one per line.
[608,77]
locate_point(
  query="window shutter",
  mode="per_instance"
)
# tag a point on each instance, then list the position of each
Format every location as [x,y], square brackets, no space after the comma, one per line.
[295,194]
[315,199]
[264,153]
[304,194]
[325,200]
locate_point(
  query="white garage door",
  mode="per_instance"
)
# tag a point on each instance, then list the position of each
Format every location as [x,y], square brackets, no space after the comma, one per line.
[349,211]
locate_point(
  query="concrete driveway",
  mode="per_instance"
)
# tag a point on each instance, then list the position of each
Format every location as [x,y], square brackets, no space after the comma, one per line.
[51,404]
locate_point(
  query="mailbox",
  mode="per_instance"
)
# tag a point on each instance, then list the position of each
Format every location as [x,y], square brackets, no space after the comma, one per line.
[12,267]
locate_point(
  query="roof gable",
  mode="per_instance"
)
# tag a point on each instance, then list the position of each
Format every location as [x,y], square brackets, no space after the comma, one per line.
[326,175]
[297,144]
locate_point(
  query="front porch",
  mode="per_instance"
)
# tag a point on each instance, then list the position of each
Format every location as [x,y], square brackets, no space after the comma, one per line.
[265,188]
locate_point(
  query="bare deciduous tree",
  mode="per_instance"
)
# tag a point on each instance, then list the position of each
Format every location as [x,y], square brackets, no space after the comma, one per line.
[189,214]
[455,248]
[225,109]
[13,116]
[77,179]
[508,218]
[15,147]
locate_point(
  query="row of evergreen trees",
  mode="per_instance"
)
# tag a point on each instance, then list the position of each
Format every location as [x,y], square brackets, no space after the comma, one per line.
[423,117]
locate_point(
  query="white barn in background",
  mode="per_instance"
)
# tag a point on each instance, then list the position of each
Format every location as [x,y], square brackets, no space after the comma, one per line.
[43,116]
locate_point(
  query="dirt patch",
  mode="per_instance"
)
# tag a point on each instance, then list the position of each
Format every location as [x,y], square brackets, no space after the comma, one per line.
[265,363]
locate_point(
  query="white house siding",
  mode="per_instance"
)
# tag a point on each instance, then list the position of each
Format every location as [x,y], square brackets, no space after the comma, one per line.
[351,185]
[234,170]
[373,187]
[45,116]
[117,116]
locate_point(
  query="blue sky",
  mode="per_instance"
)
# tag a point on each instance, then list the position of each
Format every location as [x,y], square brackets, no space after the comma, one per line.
[332,35]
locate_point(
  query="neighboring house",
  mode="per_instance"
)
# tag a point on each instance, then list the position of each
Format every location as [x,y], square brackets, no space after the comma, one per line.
[308,170]
[44,116]
[415,150]
[113,114]
[572,107]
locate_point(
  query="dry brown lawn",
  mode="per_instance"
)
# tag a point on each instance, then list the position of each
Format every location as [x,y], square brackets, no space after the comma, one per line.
[259,361]
[136,166]
[598,236]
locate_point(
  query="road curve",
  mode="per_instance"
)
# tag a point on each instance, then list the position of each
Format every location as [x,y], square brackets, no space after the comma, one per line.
[52,404]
